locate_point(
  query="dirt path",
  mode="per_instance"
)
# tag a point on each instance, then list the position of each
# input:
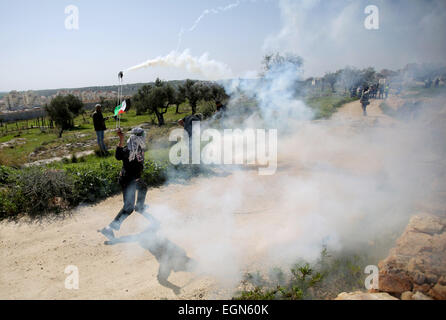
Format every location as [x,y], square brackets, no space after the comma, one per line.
[352,113]
[34,256]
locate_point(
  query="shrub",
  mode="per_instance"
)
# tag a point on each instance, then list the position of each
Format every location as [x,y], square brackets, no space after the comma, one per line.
[94,181]
[154,174]
[321,280]
[8,205]
[39,191]
[5,173]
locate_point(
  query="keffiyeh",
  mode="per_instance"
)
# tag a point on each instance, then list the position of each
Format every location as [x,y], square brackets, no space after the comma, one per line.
[137,144]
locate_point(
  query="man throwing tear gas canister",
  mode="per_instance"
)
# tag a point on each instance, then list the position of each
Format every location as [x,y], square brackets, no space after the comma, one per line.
[130,180]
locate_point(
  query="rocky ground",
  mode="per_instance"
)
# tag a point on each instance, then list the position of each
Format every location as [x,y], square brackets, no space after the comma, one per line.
[418,262]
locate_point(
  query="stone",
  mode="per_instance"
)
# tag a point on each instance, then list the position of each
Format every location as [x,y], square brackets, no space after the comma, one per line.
[406,295]
[418,262]
[426,223]
[438,292]
[359,295]
[420,296]
[422,288]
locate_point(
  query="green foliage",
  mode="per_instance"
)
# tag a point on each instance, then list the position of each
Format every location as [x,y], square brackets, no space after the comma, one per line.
[62,110]
[94,181]
[155,99]
[321,280]
[154,173]
[257,293]
[8,203]
[5,173]
[38,191]
[207,109]
[140,99]
[325,106]
[179,97]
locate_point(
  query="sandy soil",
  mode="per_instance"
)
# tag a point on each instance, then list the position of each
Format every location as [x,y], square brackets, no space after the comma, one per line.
[34,256]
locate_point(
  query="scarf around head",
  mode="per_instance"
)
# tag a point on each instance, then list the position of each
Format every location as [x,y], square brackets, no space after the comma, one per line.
[137,144]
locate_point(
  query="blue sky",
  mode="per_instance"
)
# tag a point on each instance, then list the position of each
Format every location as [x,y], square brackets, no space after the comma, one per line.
[39,53]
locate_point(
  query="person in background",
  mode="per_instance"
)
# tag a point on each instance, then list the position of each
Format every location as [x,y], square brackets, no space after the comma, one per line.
[381,91]
[386,91]
[130,180]
[186,123]
[365,100]
[100,128]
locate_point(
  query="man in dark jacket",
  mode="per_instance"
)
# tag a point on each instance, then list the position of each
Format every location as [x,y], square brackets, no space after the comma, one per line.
[130,180]
[365,100]
[187,122]
[99,127]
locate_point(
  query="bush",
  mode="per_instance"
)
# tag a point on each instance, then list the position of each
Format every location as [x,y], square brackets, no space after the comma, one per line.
[38,191]
[8,205]
[94,181]
[322,280]
[154,174]
[5,173]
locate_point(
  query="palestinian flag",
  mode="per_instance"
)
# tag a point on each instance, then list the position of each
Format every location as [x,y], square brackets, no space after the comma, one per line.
[121,108]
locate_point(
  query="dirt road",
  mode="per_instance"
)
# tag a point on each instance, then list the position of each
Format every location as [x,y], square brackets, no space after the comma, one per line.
[35,256]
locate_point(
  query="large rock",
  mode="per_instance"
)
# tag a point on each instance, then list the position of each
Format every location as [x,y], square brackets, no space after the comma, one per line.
[418,262]
[359,295]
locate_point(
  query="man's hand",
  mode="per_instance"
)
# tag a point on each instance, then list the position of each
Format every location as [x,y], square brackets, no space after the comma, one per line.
[119,133]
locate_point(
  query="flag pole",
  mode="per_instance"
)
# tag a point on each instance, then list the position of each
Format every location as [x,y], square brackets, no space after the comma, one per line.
[120,76]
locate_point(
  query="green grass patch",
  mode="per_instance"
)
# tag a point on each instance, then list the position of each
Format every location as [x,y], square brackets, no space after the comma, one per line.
[325,105]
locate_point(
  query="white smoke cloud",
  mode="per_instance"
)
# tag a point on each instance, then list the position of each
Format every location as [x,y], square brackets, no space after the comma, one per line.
[203,65]
[330,35]
[204,14]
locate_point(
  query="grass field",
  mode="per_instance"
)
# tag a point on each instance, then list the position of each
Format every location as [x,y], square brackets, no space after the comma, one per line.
[46,144]
[327,104]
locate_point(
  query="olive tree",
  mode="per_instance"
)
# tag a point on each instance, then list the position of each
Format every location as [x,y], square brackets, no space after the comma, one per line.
[62,110]
[155,99]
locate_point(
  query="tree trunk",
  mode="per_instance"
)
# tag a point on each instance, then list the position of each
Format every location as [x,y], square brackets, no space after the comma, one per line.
[160,118]
[177,110]
[60,133]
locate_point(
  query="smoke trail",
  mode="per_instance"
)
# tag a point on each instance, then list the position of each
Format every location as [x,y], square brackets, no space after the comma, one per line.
[210,69]
[203,14]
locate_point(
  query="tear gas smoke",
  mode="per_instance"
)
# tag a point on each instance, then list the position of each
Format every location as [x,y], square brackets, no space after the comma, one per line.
[209,68]
[203,14]
[341,184]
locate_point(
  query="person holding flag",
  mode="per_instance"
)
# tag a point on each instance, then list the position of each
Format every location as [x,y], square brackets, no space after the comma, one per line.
[130,179]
